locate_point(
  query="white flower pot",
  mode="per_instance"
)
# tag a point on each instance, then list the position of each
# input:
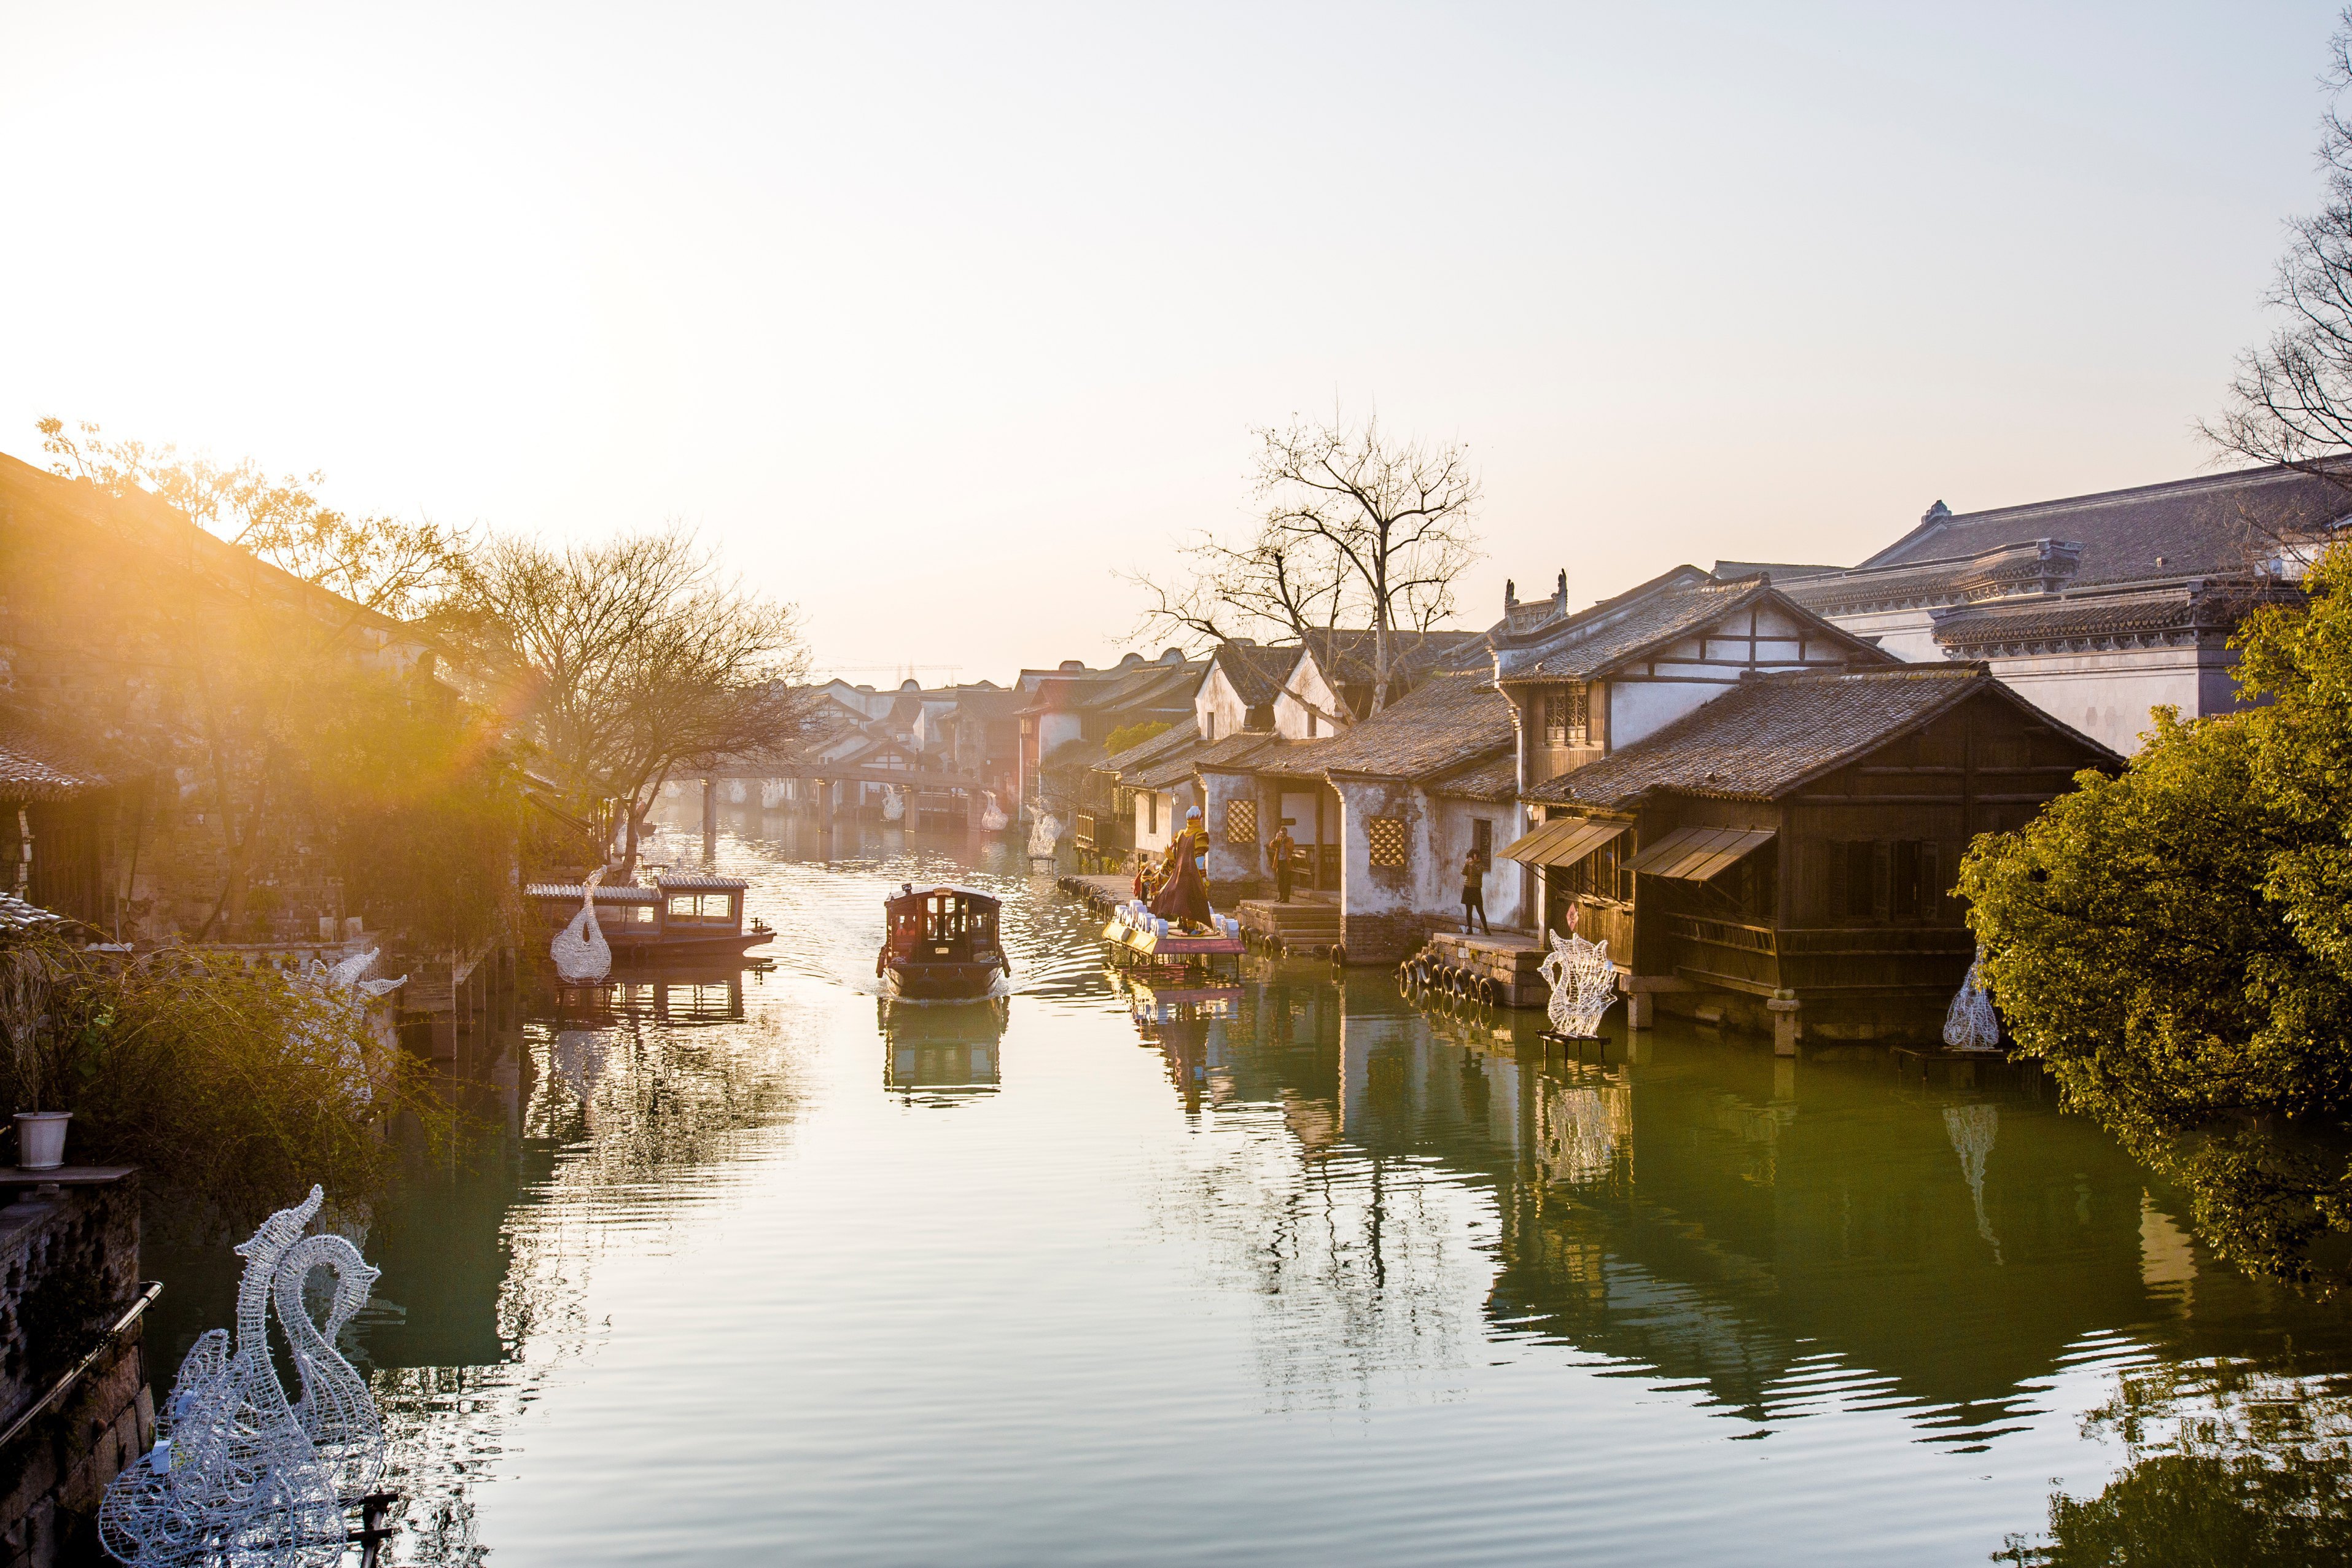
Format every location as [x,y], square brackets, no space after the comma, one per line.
[41,1139]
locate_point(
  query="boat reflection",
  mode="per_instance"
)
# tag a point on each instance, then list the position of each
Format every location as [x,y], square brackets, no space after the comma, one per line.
[941,1053]
[680,994]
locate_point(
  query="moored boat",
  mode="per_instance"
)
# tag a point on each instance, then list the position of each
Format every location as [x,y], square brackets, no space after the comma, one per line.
[939,944]
[683,915]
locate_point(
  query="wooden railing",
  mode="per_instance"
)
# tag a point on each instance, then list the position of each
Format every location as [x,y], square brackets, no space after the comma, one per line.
[1724,934]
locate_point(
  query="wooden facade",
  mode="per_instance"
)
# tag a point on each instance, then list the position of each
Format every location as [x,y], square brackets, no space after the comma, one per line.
[1820,885]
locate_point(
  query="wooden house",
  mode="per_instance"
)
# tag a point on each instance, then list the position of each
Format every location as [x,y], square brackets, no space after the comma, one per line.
[1783,855]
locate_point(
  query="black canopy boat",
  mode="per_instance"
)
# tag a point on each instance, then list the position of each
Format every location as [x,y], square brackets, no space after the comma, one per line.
[939,944]
[685,916]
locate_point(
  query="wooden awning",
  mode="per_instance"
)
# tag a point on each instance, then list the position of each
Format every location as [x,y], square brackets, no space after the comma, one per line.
[1694,854]
[1563,841]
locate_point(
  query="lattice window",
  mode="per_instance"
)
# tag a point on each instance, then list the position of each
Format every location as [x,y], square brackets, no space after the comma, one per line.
[1385,837]
[1241,821]
[1568,713]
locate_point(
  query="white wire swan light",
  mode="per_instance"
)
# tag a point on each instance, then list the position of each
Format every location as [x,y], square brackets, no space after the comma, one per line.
[1043,834]
[1971,1024]
[580,953]
[336,1411]
[893,804]
[1583,985]
[238,1474]
[991,815]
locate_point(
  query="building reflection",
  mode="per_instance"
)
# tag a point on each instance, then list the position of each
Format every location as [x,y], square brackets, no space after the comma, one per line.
[940,1053]
[1778,1236]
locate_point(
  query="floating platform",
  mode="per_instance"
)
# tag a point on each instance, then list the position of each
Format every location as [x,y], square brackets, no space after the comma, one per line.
[1170,948]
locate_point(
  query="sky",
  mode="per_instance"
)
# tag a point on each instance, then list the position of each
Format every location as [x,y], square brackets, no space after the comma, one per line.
[933,320]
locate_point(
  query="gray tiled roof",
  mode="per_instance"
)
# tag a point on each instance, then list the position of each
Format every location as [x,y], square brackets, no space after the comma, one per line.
[2177,608]
[1659,613]
[34,766]
[1256,671]
[1175,738]
[1495,778]
[18,918]
[1770,734]
[2198,527]
[1447,721]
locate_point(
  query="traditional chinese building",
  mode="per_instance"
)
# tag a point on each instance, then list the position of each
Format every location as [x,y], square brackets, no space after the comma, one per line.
[2097,607]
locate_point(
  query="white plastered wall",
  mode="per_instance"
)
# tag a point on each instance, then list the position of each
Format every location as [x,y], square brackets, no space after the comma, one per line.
[1306,689]
[1217,708]
[2107,696]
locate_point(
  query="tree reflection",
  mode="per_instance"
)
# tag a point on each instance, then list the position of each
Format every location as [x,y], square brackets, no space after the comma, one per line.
[2226,1465]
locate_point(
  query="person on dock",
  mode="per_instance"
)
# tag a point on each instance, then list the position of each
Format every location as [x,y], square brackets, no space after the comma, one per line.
[1279,850]
[1473,893]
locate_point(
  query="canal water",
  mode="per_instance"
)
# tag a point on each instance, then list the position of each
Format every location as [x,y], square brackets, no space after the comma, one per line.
[762,1268]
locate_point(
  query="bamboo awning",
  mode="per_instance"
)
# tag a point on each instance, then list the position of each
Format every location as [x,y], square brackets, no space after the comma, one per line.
[1563,842]
[1694,854]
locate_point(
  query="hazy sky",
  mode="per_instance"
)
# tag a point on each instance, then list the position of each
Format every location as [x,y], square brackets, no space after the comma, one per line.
[932,318]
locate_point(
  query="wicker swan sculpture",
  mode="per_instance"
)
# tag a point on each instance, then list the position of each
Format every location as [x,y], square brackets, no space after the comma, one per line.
[238,1474]
[581,955]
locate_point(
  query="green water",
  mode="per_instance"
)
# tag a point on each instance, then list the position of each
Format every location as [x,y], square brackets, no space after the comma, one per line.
[773,1270]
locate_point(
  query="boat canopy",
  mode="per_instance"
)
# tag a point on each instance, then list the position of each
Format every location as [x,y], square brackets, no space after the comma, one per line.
[575,891]
[697,882]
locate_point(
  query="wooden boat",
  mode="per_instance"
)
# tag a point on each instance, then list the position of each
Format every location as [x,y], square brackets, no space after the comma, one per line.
[683,915]
[939,944]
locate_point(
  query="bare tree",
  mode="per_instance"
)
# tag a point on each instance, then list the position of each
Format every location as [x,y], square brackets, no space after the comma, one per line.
[1395,515]
[1274,586]
[2290,402]
[1356,525]
[395,568]
[629,661]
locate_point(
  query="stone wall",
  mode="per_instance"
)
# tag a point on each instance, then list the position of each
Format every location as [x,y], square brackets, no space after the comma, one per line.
[69,1269]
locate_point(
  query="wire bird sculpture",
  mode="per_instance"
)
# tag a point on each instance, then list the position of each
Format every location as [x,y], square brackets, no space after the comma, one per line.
[239,1474]
[345,987]
[1972,1129]
[1971,1024]
[991,815]
[1043,834]
[580,953]
[1583,985]
[893,804]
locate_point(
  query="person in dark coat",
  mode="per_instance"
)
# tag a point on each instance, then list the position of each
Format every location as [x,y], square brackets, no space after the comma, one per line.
[1473,893]
[1279,850]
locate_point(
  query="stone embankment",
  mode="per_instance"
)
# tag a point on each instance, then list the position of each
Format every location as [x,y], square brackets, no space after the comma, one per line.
[75,1405]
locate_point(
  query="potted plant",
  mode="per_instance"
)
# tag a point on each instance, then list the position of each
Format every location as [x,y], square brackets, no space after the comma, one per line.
[27,978]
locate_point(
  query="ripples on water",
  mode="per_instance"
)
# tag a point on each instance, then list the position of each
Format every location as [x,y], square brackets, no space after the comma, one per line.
[762,1266]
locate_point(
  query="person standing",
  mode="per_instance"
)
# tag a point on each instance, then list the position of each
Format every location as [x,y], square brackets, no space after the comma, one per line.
[1473,893]
[1278,850]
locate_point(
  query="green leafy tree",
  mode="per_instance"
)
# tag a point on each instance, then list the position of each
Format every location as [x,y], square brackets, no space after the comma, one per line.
[1129,736]
[2174,942]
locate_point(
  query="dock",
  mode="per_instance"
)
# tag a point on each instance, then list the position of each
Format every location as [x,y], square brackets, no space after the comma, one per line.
[1507,959]
[1306,927]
